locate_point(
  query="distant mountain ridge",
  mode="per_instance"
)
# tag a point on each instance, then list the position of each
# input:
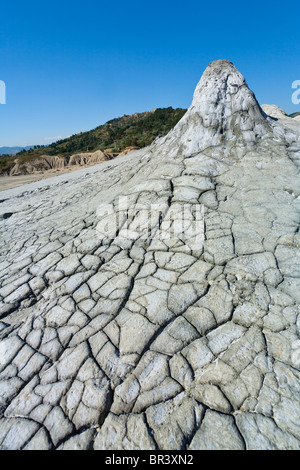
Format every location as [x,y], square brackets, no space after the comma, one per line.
[13,150]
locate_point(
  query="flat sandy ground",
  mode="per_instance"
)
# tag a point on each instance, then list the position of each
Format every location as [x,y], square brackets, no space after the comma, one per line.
[9,182]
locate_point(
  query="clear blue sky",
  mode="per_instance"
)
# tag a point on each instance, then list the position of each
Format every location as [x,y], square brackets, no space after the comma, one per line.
[70,66]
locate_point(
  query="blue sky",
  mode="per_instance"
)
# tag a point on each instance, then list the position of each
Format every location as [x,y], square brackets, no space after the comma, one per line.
[70,66]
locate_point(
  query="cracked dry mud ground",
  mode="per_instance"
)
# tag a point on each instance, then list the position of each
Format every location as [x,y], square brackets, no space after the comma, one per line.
[149,343]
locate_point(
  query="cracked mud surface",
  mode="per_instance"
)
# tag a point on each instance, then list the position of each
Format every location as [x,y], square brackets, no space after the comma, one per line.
[157,343]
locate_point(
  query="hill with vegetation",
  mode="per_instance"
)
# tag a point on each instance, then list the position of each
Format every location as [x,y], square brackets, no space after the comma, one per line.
[137,130]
